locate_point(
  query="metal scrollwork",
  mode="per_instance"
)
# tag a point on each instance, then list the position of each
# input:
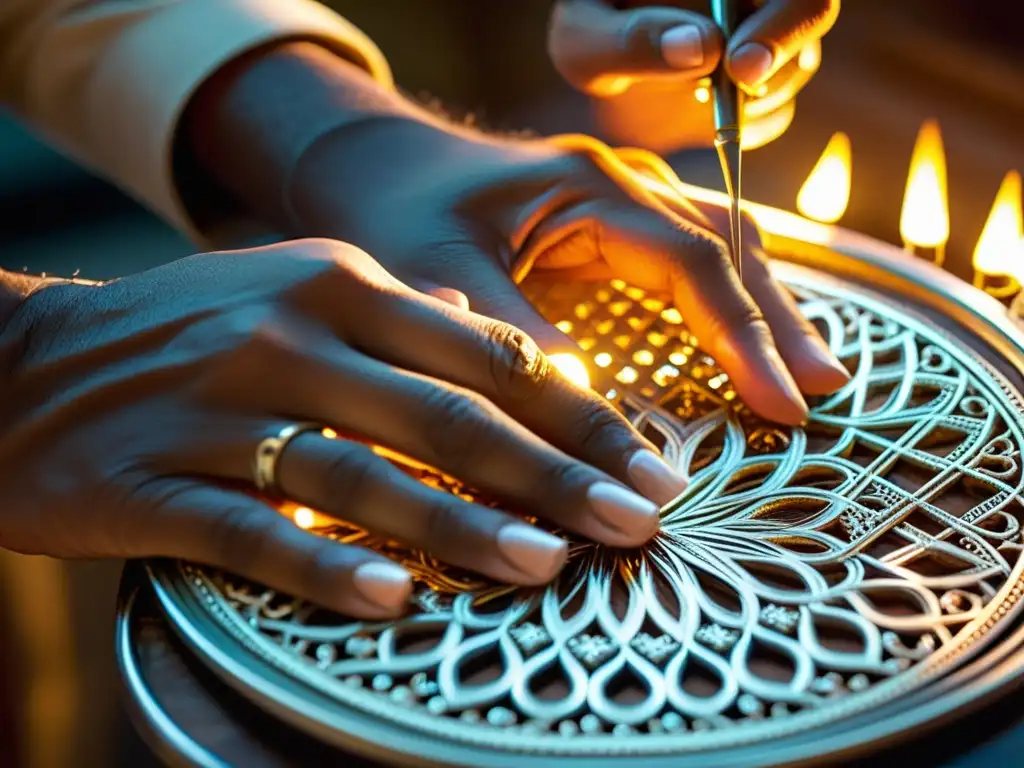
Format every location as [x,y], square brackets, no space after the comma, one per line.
[806,573]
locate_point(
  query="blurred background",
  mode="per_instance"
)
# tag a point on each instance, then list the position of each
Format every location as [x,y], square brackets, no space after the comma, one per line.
[886,67]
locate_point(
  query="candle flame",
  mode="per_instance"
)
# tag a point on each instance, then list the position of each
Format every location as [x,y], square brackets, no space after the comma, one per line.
[826,193]
[924,220]
[572,368]
[998,249]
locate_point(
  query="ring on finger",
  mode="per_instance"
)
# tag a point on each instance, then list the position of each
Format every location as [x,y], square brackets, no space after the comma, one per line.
[268,454]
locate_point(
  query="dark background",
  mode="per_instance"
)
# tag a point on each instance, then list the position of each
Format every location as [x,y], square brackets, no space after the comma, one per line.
[887,66]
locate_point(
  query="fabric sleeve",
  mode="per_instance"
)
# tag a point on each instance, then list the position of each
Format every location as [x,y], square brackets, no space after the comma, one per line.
[106,81]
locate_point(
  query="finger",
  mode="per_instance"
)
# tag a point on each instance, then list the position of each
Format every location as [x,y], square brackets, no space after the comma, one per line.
[808,356]
[350,482]
[505,365]
[653,251]
[600,50]
[458,432]
[781,88]
[774,35]
[231,530]
[493,293]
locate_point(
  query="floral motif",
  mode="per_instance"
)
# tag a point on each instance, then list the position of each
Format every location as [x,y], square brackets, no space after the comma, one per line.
[801,565]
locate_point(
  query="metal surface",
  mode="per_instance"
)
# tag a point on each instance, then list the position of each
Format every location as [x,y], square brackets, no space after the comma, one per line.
[807,581]
[174,745]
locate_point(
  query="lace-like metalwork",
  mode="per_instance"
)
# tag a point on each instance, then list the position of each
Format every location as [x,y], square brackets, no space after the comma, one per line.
[806,574]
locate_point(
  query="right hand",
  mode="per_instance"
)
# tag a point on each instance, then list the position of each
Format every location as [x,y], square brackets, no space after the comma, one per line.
[131,416]
[644,61]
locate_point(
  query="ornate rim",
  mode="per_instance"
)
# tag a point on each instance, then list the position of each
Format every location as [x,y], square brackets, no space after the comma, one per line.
[191,620]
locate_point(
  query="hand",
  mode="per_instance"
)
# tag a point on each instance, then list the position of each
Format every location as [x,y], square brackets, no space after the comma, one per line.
[446,209]
[646,60]
[133,410]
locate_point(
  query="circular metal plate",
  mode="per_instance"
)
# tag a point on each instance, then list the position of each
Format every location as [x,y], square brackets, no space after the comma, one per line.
[809,581]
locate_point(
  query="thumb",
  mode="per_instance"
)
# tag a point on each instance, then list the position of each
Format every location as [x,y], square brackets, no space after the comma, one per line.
[601,50]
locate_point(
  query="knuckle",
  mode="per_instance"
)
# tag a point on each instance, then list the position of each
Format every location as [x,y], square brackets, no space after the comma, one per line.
[635,36]
[519,369]
[317,565]
[242,540]
[439,518]
[701,253]
[598,425]
[350,477]
[559,477]
[336,271]
[461,424]
[745,322]
[745,316]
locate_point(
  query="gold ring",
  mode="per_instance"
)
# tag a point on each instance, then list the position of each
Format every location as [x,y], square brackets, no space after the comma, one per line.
[268,452]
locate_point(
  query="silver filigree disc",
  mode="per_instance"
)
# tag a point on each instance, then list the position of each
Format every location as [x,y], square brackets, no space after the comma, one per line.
[806,575]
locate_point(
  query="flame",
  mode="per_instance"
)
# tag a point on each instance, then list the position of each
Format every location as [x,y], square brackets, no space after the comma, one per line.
[572,368]
[924,220]
[998,249]
[826,193]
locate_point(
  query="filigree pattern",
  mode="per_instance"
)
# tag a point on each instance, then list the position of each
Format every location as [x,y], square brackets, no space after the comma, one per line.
[804,574]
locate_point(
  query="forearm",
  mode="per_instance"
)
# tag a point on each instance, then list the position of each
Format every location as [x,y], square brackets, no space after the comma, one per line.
[249,125]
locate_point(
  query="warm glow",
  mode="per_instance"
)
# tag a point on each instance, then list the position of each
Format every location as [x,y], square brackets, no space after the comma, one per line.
[304,517]
[702,94]
[572,368]
[998,249]
[924,220]
[826,193]
[810,57]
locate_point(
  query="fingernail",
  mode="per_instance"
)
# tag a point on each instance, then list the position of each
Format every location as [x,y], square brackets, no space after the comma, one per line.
[750,64]
[818,371]
[531,551]
[822,354]
[683,47]
[654,478]
[633,518]
[384,584]
[797,410]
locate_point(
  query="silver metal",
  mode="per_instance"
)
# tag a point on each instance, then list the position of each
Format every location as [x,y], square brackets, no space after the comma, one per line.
[146,711]
[807,576]
[728,112]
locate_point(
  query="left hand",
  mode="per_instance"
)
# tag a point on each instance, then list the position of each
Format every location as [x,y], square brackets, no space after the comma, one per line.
[443,209]
[644,61]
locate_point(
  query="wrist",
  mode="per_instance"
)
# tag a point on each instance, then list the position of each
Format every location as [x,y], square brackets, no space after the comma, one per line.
[247,127]
[361,164]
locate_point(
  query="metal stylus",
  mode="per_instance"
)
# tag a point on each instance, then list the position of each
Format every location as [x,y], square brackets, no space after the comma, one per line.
[728,125]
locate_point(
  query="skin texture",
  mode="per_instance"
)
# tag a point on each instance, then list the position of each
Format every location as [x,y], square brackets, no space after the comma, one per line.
[161,385]
[131,411]
[473,206]
[619,52]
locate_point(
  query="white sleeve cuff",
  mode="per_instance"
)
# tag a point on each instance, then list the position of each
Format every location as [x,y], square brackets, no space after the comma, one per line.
[152,69]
